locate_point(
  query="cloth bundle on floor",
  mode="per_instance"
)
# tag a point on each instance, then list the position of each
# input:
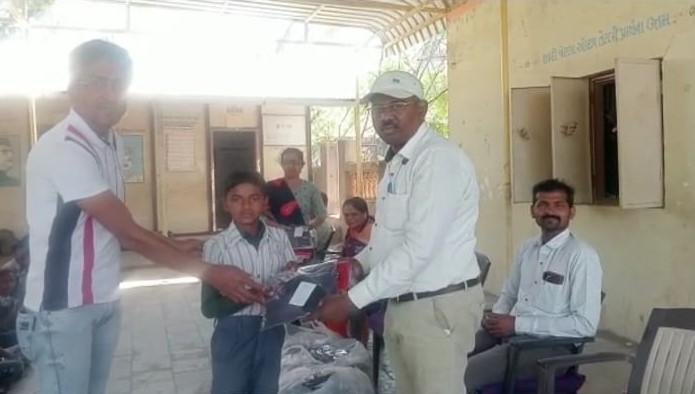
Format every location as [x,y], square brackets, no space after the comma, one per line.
[316,361]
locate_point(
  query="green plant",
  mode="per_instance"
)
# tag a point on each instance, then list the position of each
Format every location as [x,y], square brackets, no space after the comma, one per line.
[15,12]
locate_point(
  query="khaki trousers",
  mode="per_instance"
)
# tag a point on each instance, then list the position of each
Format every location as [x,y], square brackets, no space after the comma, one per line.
[428,341]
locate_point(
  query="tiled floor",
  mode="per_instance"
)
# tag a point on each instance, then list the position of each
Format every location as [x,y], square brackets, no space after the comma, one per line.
[164,345]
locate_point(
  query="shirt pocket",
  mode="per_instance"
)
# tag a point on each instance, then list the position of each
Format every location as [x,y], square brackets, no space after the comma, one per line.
[553,297]
[394,211]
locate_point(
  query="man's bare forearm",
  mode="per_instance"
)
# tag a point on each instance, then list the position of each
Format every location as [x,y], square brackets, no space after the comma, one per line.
[164,251]
[114,215]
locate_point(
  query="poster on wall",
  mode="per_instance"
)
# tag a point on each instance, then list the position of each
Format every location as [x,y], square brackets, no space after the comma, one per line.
[133,158]
[180,149]
[10,158]
[284,130]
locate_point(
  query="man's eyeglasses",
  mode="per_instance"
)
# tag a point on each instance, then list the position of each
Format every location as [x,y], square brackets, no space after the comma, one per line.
[395,106]
[100,83]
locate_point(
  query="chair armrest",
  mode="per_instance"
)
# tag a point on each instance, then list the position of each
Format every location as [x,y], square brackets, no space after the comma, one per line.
[545,342]
[582,359]
[547,367]
[519,344]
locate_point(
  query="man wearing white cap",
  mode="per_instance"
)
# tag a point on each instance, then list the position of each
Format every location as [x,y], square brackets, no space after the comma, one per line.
[421,254]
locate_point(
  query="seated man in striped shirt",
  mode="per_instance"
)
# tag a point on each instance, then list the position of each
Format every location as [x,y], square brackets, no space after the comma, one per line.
[245,359]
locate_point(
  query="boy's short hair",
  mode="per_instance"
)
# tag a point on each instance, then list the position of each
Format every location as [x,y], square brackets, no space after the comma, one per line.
[250,177]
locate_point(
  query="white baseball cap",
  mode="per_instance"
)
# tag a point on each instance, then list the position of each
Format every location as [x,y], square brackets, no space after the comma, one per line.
[398,84]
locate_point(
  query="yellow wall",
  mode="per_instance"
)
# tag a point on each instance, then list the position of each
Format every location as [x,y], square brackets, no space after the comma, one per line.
[283,126]
[50,109]
[184,198]
[476,123]
[233,115]
[647,254]
[140,196]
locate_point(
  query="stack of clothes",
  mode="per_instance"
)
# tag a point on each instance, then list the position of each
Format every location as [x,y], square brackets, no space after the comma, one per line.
[317,361]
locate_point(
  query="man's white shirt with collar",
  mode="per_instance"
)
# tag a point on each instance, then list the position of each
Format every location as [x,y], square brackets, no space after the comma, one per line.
[424,233]
[75,261]
[554,288]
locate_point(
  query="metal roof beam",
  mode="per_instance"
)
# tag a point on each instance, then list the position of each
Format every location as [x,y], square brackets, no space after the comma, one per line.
[231,8]
[363,4]
[400,20]
[330,17]
[413,30]
[314,13]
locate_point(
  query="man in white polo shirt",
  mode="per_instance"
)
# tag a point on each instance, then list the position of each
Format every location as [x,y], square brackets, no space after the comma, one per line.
[78,225]
[421,256]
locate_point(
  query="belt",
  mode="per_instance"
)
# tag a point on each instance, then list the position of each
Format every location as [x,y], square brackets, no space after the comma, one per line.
[425,294]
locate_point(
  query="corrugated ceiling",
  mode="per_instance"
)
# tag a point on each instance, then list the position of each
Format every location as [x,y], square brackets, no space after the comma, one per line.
[397,23]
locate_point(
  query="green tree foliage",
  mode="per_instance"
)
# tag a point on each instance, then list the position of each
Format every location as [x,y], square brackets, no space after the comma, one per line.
[15,12]
[427,61]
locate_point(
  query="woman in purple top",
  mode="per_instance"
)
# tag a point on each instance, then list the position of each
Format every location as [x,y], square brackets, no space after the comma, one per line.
[359,222]
[356,214]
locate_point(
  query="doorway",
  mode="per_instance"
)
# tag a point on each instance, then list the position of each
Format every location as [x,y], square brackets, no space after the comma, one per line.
[232,150]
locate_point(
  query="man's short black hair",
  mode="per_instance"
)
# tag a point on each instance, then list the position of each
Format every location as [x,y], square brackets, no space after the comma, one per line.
[239,177]
[554,185]
[92,51]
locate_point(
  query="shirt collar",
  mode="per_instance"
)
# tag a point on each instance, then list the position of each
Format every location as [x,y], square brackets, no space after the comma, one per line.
[234,234]
[557,241]
[76,121]
[409,150]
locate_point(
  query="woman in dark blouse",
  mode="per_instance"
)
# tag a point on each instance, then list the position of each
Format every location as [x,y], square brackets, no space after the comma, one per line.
[356,215]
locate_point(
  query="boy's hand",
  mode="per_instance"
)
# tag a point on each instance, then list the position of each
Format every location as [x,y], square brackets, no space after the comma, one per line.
[235,284]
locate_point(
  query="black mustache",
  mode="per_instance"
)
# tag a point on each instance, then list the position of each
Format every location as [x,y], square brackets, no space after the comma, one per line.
[388,124]
[551,216]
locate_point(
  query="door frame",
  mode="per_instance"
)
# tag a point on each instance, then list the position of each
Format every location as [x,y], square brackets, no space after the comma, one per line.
[258,156]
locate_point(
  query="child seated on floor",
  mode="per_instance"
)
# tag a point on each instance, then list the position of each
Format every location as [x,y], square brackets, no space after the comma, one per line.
[245,358]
